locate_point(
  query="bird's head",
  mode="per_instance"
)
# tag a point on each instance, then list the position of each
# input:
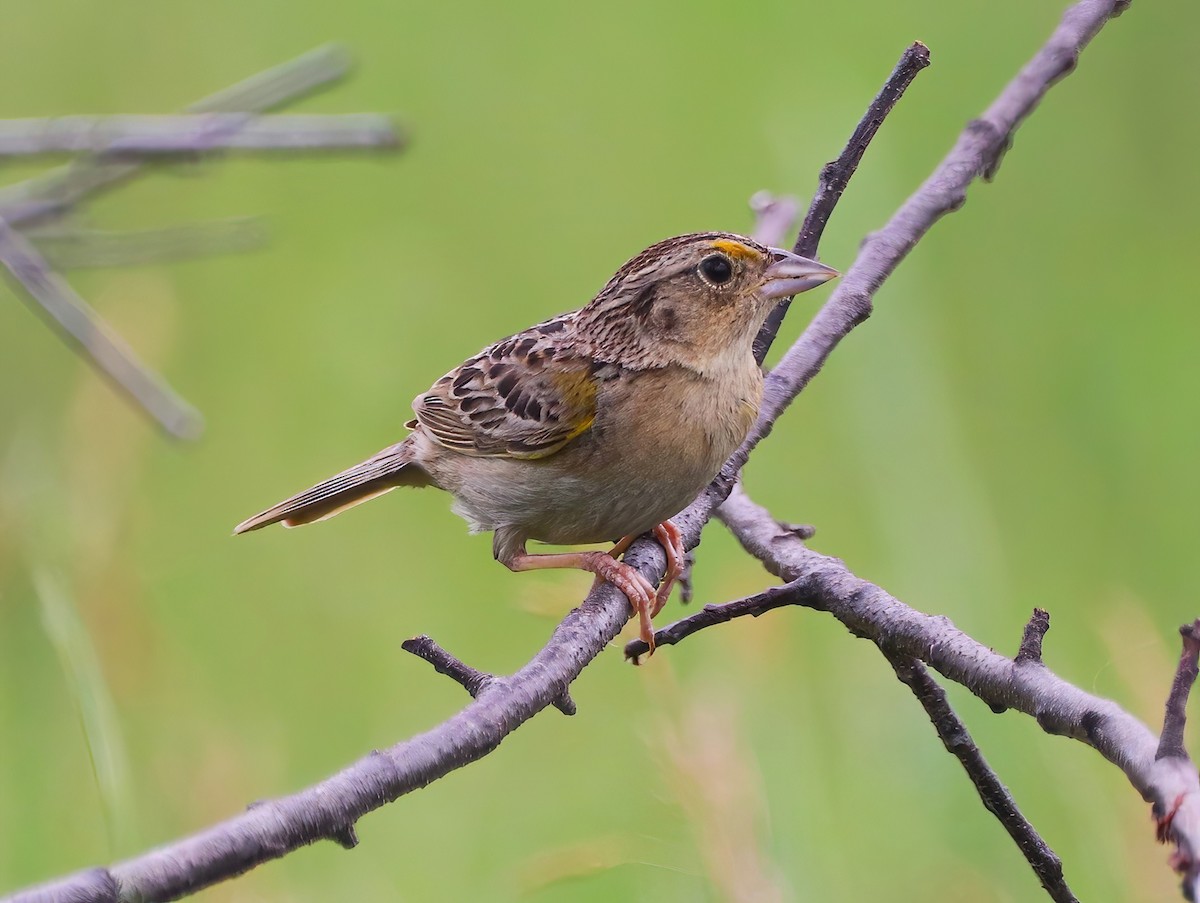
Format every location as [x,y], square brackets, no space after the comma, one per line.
[702,294]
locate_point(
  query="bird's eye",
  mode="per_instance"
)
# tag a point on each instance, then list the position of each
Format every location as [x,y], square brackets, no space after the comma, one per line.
[716,269]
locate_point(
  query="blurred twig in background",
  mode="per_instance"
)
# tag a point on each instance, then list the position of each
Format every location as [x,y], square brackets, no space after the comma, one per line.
[92,698]
[66,247]
[195,133]
[80,326]
[705,737]
[118,147]
[54,192]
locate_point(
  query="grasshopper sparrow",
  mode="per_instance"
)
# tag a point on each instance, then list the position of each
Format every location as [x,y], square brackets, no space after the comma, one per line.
[597,425]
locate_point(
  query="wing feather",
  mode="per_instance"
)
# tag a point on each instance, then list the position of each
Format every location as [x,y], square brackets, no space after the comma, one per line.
[527,396]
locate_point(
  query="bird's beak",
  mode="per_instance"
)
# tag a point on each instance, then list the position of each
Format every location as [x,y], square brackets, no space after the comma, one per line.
[790,274]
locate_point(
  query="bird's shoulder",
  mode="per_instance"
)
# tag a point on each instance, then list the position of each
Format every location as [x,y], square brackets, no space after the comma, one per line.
[525,396]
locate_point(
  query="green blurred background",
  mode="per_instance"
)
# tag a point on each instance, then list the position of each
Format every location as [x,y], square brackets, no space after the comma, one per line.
[1014,427]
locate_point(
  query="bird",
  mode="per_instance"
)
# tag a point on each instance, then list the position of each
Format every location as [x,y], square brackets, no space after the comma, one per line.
[597,425]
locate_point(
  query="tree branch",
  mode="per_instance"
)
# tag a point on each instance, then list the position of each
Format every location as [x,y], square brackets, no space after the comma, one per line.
[474,682]
[329,808]
[945,191]
[836,175]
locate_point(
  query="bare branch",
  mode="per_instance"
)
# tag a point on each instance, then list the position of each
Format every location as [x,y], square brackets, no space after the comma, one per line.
[79,325]
[471,680]
[711,616]
[836,175]
[444,663]
[194,133]
[995,796]
[943,192]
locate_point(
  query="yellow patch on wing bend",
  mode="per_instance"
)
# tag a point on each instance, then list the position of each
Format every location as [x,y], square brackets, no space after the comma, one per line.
[578,391]
[581,427]
[736,249]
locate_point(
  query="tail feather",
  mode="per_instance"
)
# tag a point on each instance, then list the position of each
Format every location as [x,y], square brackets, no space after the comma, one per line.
[392,467]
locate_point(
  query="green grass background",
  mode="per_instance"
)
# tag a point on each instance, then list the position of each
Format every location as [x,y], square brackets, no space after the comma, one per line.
[1015,427]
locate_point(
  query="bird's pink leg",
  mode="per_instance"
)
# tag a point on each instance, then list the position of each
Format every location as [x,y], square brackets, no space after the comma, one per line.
[637,589]
[640,592]
[621,545]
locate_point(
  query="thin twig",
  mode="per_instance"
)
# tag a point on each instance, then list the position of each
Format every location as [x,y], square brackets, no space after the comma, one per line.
[279,826]
[1175,720]
[1030,652]
[197,133]
[471,680]
[944,192]
[995,796]
[443,662]
[835,176]
[712,615]
[80,327]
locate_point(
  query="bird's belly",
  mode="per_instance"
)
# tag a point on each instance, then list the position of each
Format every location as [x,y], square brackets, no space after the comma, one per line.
[583,511]
[548,502]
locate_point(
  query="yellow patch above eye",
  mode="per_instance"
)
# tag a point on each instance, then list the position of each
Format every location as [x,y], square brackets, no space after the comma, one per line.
[736,249]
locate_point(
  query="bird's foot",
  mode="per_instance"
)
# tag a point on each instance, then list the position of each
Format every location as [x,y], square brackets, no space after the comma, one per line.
[637,589]
[671,539]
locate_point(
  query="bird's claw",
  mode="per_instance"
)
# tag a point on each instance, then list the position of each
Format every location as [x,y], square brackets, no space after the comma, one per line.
[647,602]
[671,539]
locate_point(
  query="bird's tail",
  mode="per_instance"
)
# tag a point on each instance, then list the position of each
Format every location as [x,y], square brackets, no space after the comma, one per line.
[383,472]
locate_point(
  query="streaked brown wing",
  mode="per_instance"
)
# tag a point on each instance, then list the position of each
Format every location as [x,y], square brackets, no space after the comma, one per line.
[524,397]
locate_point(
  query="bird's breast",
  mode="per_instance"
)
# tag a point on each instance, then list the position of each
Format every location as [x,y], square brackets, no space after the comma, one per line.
[667,432]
